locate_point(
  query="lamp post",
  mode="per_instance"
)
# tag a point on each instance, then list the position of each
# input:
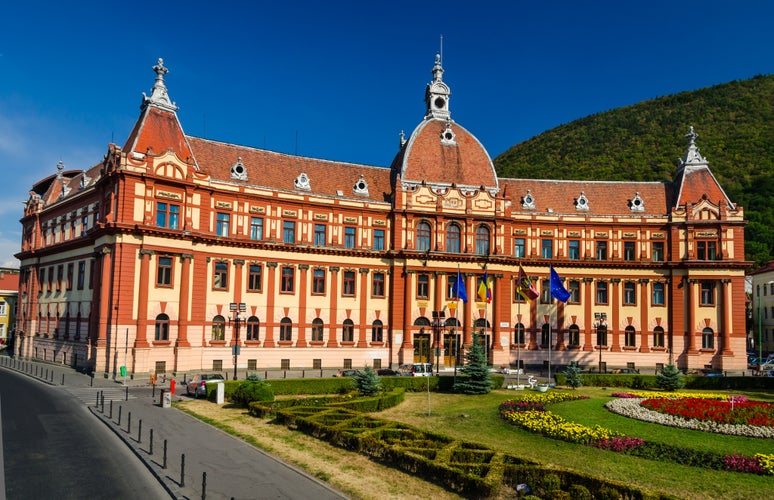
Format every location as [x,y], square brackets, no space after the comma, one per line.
[236,319]
[601,326]
[439,322]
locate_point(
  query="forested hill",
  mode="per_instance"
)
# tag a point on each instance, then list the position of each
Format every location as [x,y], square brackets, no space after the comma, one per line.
[735,123]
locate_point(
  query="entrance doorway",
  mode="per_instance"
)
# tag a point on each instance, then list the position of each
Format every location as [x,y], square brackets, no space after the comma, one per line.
[422,348]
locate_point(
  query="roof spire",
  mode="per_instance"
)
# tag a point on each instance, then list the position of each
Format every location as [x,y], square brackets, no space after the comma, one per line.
[692,155]
[437,94]
[159,97]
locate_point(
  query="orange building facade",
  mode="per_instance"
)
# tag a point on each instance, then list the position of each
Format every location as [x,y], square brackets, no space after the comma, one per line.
[174,252]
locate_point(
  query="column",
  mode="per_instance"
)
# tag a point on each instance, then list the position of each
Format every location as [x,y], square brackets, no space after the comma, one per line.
[333,308]
[142,299]
[588,284]
[271,294]
[726,317]
[407,333]
[644,305]
[105,295]
[303,284]
[363,324]
[616,316]
[467,322]
[185,284]
[691,286]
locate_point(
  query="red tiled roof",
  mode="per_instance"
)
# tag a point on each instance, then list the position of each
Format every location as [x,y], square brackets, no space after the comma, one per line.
[425,158]
[278,170]
[157,131]
[696,183]
[604,197]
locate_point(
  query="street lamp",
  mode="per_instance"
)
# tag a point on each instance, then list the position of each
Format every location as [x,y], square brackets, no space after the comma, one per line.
[600,324]
[236,319]
[439,324]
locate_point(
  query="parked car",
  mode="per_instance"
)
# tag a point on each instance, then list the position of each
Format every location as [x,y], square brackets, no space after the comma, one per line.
[346,373]
[711,373]
[197,386]
[386,372]
[416,370]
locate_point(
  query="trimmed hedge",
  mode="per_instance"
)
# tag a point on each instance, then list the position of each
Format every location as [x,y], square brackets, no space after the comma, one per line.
[638,381]
[366,404]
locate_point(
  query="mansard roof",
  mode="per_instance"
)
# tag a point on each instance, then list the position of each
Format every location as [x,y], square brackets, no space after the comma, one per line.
[694,180]
[278,171]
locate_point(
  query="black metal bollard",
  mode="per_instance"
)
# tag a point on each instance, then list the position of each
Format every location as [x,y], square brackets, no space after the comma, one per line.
[164,464]
[150,450]
[36,370]
[154,392]
[129,423]
[204,485]
[91,381]
[303,373]
[182,470]
[96,404]
[63,379]
[102,405]
[111,410]
[119,415]
[285,374]
[127,393]
[46,377]
[266,374]
[139,432]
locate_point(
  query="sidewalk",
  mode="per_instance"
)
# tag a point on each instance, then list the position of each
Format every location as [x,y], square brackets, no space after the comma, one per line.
[233,468]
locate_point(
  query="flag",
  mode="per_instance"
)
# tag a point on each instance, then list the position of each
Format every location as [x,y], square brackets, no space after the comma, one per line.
[524,286]
[485,288]
[558,291]
[458,288]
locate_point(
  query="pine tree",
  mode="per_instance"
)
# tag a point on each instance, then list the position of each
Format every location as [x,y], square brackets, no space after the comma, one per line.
[670,378]
[573,376]
[367,382]
[476,378]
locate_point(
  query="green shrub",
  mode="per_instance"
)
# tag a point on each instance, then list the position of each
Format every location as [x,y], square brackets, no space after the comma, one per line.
[250,391]
[580,492]
[368,384]
[551,484]
[670,378]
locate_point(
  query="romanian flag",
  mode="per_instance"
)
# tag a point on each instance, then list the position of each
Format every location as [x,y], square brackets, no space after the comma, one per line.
[524,286]
[485,288]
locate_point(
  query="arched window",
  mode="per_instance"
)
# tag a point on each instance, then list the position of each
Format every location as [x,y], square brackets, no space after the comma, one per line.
[574,333]
[423,237]
[658,337]
[630,337]
[317,330]
[218,328]
[348,331]
[707,338]
[518,333]
[482,240]
[421,321]
[453,238]
[162,327]
[481,324]
[253,327]
[377,331]
[545,335]
[286,330]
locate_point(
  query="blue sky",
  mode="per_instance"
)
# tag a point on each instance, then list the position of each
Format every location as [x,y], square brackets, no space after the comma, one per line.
[340,79]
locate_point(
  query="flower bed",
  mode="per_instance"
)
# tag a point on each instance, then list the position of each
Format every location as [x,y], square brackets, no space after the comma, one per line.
[721,412]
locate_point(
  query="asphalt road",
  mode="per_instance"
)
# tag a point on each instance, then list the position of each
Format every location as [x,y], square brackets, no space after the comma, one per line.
[52,447]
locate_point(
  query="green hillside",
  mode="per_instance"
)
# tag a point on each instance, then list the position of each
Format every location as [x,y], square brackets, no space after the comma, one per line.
[735,122]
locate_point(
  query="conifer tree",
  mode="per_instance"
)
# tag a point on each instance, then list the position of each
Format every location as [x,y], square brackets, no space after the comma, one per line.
[670,378]
[476,378]
[573,376]
[367,382]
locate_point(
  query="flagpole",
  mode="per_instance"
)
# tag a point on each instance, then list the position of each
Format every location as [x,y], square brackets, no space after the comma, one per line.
[518,346]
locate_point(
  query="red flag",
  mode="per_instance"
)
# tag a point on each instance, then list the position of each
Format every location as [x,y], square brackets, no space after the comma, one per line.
[524,286]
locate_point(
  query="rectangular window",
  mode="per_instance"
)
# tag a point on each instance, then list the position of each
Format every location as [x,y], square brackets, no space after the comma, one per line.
[349,237]
[658,294]
[70,272]
[223,225]
[348,288]
[252,364]
[574,289]
[707,293]
[84,224]
[167,215]
[378,239]
[256,228]
[42,279]
[628,250]
[317,364]
[51,279]
[254,278]
[574,250]
[601,292]
[547,249]
[423,286]
[164,271]
[630,294]
[658,251]
[630,337]
[519,248]
[220,276]
[378,285]
[288,280]
[289,232]
[318,282]
[59,276]
[91,273]
[658,337]
[545,292]
[601,250]
[217,365]
[81,274]
[285,362]
[319,235]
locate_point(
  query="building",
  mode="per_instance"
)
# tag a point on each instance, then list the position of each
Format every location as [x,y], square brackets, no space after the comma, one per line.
[176,253]
[762,297]
[9,291]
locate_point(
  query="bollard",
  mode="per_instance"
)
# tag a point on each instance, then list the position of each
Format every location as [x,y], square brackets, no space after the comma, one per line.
[119,415]
[204,485]
[111,410]
[96,404]
[129,423]
[182,470]
[36,370]
[153,394]
[63,379]
[102,403]
[321,373]
[303,373]
[139,432]
[266,374]
[285,374]
[46,377]
[164,464]
[150,450]
[91,381]
[127,393]
[52,376]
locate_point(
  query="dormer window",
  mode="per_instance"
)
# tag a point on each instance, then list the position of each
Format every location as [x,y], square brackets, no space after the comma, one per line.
[582,203]
[447,136]
[238,170]
[636,204]
[302,182]
[528,202]
[361,186]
